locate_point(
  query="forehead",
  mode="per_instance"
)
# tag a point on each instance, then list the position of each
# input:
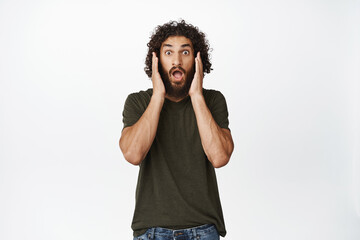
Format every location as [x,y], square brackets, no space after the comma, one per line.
[176,41]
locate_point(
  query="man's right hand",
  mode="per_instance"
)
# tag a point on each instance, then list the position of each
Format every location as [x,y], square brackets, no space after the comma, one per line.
[137,139]
[158,85]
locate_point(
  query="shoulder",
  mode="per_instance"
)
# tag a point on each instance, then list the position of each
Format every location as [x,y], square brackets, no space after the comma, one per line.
[215,100]
[212,96]
[216,103]
[141,96]
[211,92]
[139,100]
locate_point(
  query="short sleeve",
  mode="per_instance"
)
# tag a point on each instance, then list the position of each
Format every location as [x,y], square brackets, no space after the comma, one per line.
[218,108]
[135,105]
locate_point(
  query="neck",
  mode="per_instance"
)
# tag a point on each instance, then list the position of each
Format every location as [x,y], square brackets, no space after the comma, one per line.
[175,99]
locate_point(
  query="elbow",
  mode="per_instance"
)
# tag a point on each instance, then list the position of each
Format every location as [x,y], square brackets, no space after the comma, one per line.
[222,158]
[130,156]
[220,161]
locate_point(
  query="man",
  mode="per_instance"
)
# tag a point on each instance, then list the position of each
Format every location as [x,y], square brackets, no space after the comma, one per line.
[178,133]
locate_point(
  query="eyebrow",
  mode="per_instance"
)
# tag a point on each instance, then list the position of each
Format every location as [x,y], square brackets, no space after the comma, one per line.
[182,46]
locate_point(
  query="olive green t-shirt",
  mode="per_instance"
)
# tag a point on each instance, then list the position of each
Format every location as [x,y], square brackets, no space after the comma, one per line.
[177,186]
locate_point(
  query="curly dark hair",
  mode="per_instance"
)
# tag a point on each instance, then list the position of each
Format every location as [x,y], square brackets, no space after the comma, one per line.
[181,28]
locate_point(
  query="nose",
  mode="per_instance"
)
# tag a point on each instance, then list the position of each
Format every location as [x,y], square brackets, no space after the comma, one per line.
[177,60]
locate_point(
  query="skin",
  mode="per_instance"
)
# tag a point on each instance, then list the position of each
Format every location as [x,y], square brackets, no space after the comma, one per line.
[176,53]
[136,140]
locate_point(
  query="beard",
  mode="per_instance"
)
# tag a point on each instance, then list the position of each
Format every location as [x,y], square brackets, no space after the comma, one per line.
[177,90]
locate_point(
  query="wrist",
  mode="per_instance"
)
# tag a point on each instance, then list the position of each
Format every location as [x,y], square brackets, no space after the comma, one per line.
[196,94]
[158,96]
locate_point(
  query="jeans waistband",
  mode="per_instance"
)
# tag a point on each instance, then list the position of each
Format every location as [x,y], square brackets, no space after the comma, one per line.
[194,231]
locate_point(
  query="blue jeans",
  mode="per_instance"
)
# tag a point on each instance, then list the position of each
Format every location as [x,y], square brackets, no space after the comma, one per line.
[204,232]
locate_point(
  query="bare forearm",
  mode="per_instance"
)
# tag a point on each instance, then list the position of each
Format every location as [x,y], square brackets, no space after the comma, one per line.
[217,142]
[136,140]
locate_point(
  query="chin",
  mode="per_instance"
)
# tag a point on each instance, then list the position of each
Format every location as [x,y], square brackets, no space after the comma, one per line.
[178,84]
[176,89]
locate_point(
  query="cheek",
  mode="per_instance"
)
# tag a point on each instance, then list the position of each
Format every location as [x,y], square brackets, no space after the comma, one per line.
[164,64]
[190,65]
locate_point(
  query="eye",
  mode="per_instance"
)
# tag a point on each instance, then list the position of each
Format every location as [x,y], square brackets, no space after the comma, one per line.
[186,52]
[167,53]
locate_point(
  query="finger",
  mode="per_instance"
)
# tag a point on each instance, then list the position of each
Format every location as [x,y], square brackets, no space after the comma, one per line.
[154,63]
[200,64]
[197,67]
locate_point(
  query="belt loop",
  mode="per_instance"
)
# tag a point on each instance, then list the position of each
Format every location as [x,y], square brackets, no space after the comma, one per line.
[194,233]
[153,233]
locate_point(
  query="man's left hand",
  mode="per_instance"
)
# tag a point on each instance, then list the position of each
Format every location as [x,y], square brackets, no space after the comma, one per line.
[197,83]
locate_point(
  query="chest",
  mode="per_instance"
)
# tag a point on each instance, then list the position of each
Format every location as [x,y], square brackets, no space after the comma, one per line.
[178,124]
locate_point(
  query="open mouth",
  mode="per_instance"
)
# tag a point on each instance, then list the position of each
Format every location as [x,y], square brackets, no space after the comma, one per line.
[177,74]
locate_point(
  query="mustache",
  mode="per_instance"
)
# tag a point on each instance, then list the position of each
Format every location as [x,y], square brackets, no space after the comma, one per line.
[176,68]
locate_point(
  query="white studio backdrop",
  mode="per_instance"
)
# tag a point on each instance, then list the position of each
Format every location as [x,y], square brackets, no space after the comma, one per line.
[288,69]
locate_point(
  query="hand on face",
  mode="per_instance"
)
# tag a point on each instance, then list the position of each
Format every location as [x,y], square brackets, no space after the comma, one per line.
[158,85]
[197,83]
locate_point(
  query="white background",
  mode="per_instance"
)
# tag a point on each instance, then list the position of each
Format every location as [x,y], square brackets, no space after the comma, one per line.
[288,69]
